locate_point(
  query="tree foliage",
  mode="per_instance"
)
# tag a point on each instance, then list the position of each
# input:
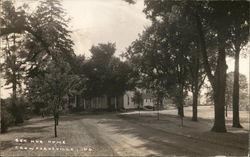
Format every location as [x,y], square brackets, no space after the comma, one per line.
[13,53]
[243,90]
[191,32]
[107,74]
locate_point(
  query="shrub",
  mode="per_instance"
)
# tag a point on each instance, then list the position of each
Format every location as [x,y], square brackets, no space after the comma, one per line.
[6,118]
[18,111]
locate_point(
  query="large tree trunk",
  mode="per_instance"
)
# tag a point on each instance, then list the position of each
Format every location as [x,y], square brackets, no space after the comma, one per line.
[236,116]
[195,89]
[158,112]
[15,108]
[220,88]
[226,108]
[56,114]
[55,119]
[139,107]
[181,111]
[181,103]
[14,90]
[218,81]
[55,125]
[219,114]
[195,102]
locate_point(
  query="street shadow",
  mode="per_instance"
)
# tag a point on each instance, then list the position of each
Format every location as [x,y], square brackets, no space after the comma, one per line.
[72,118]
[6,145]
[157,140]
[77,116]
[229,139]
[26,129]
[38,120]
[151,118]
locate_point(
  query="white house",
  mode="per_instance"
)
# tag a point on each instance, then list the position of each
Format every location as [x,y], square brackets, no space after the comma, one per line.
[101,102]
[127,101]
[122,102]
[148,99]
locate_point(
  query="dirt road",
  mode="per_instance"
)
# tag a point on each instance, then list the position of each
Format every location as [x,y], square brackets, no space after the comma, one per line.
[115,135]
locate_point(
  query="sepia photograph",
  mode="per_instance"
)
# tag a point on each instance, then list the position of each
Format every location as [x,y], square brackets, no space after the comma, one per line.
[132,78]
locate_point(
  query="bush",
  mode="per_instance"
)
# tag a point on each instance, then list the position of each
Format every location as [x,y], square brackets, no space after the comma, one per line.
[18,110]
[18,113]
[37,107]
[6,118]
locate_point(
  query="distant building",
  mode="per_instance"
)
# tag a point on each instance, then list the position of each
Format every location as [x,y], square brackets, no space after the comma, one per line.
[128,100]
[101,102]
[148,99]
[116,103]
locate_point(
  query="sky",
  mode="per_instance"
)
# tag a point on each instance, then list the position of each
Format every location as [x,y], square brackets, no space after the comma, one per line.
[102,21]
[99,21]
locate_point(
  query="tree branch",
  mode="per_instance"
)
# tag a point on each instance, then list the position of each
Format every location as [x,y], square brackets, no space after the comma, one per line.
[204,51]
[202,82]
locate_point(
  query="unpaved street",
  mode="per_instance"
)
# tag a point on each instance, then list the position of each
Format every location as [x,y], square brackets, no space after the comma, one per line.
[122,135]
